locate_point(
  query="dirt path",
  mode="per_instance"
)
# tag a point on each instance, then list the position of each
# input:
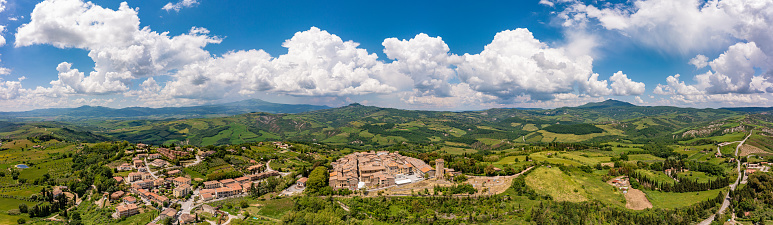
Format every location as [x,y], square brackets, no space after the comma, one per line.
[636,200]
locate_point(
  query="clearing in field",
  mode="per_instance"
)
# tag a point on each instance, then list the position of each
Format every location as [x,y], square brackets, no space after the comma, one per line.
[553,182]
[636,200]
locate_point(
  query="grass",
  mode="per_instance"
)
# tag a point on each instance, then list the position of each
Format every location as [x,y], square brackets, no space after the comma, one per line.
[194,174]
[143,218]
[457,151]
[275,208]
[553,182]
[490,141]
[670,200]
[530,127]
[697,175]
[510,160]
[21,191]
[645,157]
[599,190]
[737,136]
[542,157]
[8,204]
[657,176]
[728,149]
[51,167]
[590,159]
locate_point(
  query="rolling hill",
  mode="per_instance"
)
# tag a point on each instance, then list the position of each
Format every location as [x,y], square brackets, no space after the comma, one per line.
[366,127]
[134,113]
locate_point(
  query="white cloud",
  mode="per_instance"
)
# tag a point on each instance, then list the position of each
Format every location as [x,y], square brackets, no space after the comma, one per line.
[622,85]
[639,100]
[317,64]
[734,70]
[2,39]
[180,5]
[2,5]
[515,63]
[426,60]
[699,61]
[676,87]
[9,89]
[731,79]
[514,67]
[120,50]
[681,26]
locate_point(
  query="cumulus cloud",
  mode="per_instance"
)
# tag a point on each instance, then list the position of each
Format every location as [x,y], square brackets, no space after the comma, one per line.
[639,100]
[668,25]
[733,70]
[514,67]
[515,63]
[622,85]
[731,78]
[426,60]
[120,50]
[680,26]
[2,5]
[9,89]
[699,61]
[2,39]
[742,27]
[317,64]
[180,5]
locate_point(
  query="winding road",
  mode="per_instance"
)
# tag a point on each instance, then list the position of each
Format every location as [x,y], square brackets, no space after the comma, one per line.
[726,203]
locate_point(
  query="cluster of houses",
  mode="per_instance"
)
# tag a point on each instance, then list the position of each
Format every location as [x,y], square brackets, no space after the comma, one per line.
[754,167]
[173,154]
[379,169]
[230,187]
[621,183]
[149,188]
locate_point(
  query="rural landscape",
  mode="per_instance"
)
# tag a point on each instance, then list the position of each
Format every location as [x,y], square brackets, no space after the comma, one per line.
[350,112]
[605,162]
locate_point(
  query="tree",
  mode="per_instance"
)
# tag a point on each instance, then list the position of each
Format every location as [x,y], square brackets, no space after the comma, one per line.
[23,208]
[317,179]
[489,170]
[21,221]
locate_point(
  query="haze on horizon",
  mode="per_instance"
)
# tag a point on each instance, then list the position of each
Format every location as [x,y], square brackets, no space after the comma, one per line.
[400,54]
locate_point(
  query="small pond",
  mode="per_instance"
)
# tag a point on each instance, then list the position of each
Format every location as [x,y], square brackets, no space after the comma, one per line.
[22,166]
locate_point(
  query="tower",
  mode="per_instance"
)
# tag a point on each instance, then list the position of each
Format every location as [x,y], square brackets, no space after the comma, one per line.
[439,168]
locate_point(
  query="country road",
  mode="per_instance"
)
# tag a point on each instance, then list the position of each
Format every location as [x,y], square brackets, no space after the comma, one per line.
[726,203]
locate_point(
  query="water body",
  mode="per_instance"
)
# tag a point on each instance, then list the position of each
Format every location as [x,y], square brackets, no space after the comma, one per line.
[22,166]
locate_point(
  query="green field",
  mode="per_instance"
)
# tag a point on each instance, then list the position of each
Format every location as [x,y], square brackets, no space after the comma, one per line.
[543,157]
[658,176]
[737,136]
[600,190]
[671,200]
[9,204]
[645,157]
[194,174]
[553,182]
[696,175]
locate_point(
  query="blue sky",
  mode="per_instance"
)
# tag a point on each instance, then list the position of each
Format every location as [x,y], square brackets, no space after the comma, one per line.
[451,55]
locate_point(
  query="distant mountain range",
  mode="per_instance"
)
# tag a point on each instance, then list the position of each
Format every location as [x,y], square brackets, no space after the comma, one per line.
[360,126]
[98,112]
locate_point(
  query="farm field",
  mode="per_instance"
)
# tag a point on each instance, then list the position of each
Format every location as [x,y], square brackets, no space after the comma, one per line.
[670,200]
[553,182]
